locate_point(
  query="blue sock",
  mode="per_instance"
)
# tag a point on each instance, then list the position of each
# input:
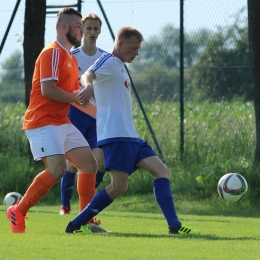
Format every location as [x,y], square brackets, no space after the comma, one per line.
[99,178]
[100,201]
[66,187]
[163,196]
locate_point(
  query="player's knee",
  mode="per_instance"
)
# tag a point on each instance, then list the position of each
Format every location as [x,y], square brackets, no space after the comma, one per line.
[122,190]
[100,166]
[88,166]
[164,173]
[119,191]
[58,171]
[71,168]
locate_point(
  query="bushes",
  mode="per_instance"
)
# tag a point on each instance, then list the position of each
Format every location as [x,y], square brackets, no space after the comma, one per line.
[219,138]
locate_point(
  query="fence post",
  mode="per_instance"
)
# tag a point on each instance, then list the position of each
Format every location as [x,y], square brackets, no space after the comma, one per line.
[181,80]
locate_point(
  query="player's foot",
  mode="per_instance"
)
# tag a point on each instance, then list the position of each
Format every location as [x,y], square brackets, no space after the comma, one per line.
[81,229]
[97,229]
[64,210]
[85,229]
[183,230]
[16,218]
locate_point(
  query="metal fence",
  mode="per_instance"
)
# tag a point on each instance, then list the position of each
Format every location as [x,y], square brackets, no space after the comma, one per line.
[216,85]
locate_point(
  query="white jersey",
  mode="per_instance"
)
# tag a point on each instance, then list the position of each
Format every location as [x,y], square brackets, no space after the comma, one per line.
[112,89]
[84,62]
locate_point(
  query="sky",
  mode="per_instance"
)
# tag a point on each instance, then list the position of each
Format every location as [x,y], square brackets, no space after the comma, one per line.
[148,16]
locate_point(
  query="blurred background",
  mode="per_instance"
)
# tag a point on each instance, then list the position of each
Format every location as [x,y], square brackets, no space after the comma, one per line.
[194,105]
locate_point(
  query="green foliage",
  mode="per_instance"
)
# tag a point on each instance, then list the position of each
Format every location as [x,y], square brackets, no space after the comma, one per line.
[165,48]
[156,70]
[223,70]
[17,166]
[217,64]
[12,79]
[13,138]
[151,86]
[219,138]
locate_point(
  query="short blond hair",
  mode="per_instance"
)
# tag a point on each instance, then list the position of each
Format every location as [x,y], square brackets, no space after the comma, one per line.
[92,17]
[128,32]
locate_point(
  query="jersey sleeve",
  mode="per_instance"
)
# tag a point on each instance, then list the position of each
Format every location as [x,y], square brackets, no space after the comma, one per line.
[103,67]
[48,65]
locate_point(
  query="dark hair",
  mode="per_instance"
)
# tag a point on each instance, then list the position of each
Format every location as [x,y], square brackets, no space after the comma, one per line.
[69,11]
[65,15]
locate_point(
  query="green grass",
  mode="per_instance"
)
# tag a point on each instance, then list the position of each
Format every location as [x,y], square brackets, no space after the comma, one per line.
[139,232]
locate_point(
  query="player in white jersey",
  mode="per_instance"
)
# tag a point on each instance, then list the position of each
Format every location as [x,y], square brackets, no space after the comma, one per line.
[124,151]
[84,119]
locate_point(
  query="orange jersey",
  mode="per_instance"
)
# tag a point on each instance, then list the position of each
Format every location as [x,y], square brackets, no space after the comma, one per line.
[53,63]
[90,110]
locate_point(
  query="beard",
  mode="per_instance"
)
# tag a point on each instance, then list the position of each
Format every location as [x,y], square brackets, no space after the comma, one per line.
[71,38]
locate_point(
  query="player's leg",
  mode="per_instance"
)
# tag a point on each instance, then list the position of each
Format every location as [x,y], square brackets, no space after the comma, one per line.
[114,157]
[91,136]
[98,153]
[68,180]
[47,143]
[86,164]
[162,191]
[66,188]
[118,186]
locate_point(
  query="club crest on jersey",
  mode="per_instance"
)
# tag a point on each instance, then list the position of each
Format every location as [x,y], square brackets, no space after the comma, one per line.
[128,85]
[69,65]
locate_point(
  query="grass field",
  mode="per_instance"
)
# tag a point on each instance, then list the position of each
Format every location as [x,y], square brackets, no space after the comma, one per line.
[136,235]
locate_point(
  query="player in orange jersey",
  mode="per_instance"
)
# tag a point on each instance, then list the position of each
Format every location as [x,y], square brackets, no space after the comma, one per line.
[52,137]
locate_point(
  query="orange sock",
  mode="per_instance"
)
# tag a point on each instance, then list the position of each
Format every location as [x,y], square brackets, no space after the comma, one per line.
[86,188]
[40,186]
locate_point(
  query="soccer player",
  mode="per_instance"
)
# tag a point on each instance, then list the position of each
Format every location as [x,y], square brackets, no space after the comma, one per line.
[52,137]
[86,55]
[123,149]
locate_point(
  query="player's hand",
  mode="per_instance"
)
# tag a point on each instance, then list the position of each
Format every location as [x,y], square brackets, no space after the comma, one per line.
[84,96]
[84,103]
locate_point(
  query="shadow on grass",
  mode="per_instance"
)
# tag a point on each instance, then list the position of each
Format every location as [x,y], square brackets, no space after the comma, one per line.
[197,237]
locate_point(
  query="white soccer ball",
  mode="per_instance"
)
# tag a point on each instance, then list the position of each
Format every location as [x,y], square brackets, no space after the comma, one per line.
[11,198]
[232,187]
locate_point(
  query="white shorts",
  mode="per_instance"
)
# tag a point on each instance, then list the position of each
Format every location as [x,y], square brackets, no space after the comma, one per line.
[52,140]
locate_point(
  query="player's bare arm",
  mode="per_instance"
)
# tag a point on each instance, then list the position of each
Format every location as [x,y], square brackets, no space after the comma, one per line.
[50,90]
[86,81]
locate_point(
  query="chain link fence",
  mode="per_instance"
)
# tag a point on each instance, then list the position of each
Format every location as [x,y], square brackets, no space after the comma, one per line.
[218,91]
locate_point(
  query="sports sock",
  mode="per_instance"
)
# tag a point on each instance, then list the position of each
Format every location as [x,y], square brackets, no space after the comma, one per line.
[66,187]
[99,178]
[100,201]
[163,196]
[40,186]
[86,188]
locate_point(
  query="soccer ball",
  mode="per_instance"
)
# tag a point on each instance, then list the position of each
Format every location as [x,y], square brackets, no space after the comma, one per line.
[11,198]
[232,187]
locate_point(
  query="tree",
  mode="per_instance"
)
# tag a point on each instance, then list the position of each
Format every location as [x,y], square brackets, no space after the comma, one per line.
[34,29]
[12,78]
[165,47]
[254,43]
[222,71]
[156,70]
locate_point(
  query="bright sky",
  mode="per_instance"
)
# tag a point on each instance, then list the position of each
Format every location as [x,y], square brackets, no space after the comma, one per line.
[148,16]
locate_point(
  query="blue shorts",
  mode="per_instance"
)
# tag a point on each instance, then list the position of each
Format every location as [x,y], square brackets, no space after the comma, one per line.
[86,125]
[124,156]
